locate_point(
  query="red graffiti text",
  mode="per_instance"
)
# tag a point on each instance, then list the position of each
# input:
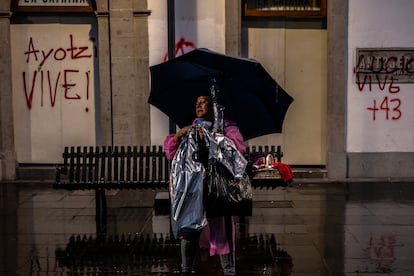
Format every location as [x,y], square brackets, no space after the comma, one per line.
[70,82]
[379,82]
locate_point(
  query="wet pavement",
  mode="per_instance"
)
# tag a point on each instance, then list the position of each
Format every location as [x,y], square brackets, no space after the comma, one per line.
[303,229]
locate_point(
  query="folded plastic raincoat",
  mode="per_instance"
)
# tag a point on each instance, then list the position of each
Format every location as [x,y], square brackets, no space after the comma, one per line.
[188,174]
[186,188]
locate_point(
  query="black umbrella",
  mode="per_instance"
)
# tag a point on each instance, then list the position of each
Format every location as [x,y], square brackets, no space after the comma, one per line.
[251,97]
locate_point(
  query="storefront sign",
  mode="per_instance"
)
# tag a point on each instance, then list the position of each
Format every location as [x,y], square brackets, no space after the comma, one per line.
[286,8]
[53,5]
[384,65]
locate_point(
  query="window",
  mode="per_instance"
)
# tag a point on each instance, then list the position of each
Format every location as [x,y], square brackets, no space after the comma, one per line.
[285,8]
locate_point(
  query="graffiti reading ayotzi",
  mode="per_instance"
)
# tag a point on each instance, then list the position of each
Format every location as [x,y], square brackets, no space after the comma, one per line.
[68,81]
[382,70]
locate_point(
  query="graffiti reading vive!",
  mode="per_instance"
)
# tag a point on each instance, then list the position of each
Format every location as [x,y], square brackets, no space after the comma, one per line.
[68,78]
[54,89]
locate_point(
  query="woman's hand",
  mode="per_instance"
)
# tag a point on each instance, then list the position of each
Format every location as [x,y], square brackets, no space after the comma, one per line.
[199,132]
[180,134]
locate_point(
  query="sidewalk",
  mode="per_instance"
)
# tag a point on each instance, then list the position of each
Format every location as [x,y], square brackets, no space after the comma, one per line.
[312,227]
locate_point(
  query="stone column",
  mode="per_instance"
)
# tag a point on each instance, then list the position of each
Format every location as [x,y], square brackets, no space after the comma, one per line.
[141,42]
[233,27]
[7,153]
[129,72]
[104,118]
[337,22]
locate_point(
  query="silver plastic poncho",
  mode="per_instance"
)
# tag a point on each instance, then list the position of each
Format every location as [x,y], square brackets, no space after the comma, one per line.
[187,178]
[187,174]
[223,149]
[186,188]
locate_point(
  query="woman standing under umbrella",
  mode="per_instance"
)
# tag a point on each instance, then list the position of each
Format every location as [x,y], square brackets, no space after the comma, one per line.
[219,233]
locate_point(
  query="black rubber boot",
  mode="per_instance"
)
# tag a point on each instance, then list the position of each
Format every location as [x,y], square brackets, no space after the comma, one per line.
[188,252]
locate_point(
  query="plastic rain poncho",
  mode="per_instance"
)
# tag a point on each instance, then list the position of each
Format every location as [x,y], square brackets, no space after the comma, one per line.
[187,178]
[188,174]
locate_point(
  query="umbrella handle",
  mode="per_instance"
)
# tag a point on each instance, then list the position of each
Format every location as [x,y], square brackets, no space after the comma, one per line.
[217,108]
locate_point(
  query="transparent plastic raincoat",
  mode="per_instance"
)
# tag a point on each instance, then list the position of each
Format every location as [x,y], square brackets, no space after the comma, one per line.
[187,177]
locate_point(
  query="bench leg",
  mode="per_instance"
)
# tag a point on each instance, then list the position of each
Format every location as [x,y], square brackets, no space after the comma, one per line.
[100,200]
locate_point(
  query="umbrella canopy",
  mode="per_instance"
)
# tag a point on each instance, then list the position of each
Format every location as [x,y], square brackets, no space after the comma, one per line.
[251,97]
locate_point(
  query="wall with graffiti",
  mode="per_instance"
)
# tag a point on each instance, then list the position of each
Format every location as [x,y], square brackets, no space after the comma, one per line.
[380,100]
[53,89]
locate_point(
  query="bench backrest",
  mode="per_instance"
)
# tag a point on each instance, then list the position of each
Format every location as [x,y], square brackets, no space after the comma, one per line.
[129,164]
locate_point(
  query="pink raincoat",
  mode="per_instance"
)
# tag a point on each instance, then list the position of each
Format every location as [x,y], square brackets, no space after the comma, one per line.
[213,235]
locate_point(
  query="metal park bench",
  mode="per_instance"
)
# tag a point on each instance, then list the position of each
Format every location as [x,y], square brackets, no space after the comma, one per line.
[128,167]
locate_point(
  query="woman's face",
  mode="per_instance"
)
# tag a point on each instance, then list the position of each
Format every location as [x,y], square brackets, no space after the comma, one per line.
[204,107]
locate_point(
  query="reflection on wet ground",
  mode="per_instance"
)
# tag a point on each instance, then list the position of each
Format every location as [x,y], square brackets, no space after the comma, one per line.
[304,229]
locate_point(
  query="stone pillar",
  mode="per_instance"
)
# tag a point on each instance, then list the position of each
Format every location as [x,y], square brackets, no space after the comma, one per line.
[233,27]
[104,109]
[129,72]
[7,153]
[337,22]
[141,42]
